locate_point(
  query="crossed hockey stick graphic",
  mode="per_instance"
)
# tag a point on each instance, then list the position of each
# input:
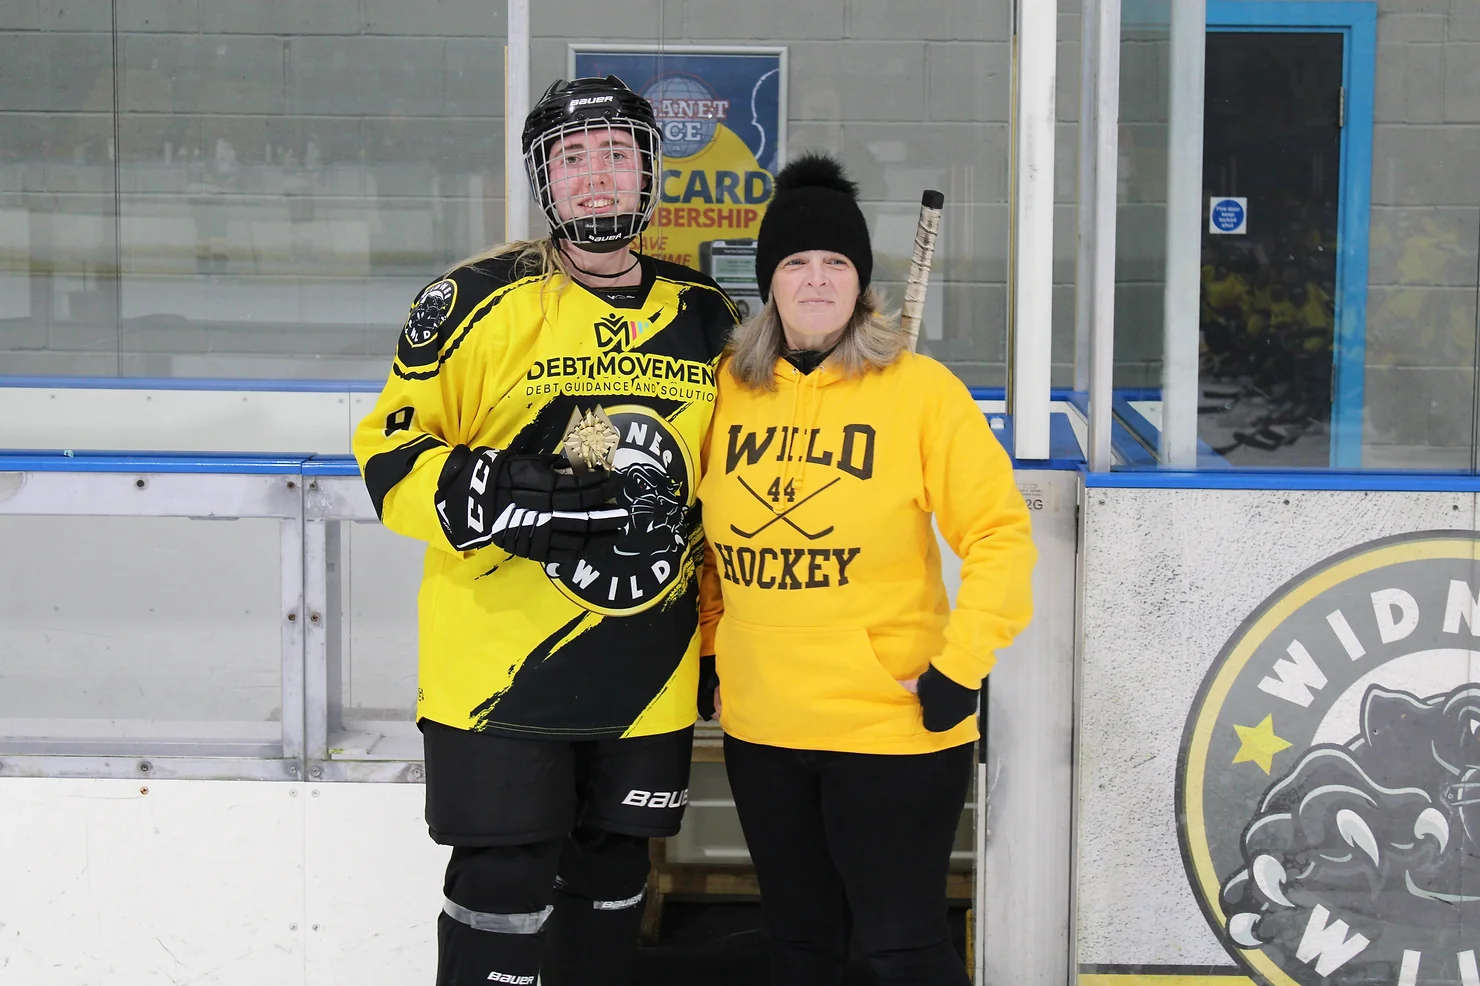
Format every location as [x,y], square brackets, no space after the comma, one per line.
[783,514]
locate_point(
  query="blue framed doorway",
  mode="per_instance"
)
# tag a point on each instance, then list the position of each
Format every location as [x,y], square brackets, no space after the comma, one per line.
[1356,22]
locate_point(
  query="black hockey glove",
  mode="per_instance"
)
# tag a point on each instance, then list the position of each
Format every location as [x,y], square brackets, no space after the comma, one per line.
[708,682]
[522,504]
[944,702]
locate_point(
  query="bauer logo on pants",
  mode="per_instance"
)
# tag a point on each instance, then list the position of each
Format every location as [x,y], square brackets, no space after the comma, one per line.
[646,560]
[1328,796]
[639,798]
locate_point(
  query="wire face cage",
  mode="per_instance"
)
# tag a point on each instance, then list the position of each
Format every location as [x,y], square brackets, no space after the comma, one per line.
[597,178]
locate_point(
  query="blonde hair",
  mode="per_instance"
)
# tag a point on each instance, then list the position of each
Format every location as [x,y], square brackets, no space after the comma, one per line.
[871,341]
[532,258]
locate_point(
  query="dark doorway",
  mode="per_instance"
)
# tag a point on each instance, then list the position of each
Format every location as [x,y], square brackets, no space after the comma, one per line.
[1272,136]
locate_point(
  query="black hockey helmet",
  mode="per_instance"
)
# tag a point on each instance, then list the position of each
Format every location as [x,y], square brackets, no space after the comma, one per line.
[588,105]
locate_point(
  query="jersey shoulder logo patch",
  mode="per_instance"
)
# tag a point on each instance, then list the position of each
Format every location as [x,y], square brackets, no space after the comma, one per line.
[430,311]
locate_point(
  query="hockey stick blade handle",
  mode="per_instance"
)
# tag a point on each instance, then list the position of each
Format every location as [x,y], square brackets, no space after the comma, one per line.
[918,278]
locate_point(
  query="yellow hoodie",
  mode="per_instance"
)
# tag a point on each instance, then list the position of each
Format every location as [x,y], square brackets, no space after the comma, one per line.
[817,501]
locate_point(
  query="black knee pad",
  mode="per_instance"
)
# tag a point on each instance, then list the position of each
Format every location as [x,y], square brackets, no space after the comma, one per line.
[592,935]
[604,866]
[503,879]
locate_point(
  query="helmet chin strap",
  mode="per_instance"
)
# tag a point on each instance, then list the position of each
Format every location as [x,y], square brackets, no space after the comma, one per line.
[605,246]
[559,244]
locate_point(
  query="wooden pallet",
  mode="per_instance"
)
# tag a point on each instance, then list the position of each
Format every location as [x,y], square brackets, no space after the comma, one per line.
[723,880]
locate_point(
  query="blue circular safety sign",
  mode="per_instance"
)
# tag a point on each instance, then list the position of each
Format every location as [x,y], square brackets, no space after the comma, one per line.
[1228,215]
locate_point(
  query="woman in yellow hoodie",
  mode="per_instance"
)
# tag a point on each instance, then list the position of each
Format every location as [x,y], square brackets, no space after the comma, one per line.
[847,685]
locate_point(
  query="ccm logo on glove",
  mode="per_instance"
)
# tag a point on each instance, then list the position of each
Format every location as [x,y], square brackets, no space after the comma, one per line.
[529,505]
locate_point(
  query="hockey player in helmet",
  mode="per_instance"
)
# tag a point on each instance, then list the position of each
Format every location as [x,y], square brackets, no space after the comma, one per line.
[594,156]
[559,629]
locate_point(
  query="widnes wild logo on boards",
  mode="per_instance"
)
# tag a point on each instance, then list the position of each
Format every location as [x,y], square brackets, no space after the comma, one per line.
[657,488]
[1328,789]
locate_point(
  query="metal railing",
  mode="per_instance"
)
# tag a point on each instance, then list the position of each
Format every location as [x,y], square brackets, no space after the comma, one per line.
[309,498]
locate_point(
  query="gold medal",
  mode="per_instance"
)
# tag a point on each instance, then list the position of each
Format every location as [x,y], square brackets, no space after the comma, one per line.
[590,440]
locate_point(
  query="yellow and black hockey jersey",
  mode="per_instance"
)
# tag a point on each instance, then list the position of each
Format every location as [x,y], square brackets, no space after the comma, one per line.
[607,646]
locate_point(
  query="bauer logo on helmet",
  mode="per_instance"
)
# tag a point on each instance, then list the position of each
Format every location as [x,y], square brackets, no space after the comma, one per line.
[587,101]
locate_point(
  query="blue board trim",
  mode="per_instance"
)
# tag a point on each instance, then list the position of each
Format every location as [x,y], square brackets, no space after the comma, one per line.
[1062,442]
[1064,454]
[1125,478]
[1124,444]
[151,462]
[1047,465]
[1374,481]
[194,383]
[1137,422]
[361,386]
[1128,448]
[1356,20]
[321,465]
[1000,393]
[1149,435]
[331,465]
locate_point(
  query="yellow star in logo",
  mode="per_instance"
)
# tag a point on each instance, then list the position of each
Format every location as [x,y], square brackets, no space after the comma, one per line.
[1258,744]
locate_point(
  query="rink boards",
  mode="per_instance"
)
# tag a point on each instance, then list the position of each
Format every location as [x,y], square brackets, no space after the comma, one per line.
[337,882]
[207,724]
[1231,641]
[185,691]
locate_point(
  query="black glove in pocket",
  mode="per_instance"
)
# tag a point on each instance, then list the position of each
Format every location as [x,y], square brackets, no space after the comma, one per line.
[943,702]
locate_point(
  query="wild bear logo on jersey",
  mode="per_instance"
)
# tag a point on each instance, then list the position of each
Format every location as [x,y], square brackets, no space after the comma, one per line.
[429,312]
[646,561]
[1329,782]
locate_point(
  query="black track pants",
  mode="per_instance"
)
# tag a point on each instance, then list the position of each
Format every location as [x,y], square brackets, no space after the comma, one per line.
[840,834]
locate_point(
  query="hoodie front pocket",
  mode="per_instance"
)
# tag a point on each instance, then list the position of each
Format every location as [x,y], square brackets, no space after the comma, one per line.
[794,684]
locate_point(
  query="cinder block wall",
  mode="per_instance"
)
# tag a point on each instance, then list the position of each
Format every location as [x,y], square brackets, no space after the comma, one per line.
[302,265]
[1140,269]
[290,174]
[1425,246]
[299,267]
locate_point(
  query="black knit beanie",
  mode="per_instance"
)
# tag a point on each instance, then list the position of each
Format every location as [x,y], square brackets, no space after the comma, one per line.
[815,208]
